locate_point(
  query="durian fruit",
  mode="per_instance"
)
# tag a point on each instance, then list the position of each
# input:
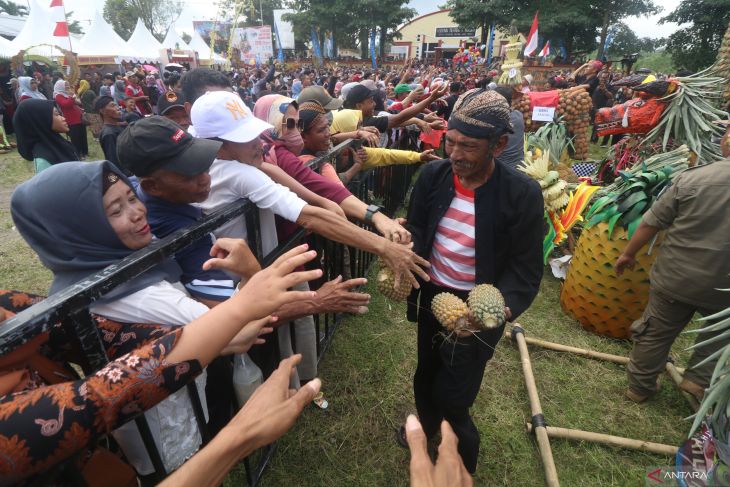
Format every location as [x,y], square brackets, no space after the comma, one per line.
[450,311]
[386,285]
[487,305]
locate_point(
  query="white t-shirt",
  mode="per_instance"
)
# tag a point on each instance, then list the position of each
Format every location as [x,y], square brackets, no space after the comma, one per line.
[157,303]
[231,180]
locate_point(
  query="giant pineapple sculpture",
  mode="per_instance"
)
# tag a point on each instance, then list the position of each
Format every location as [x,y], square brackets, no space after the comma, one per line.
[600,300]
[722,64]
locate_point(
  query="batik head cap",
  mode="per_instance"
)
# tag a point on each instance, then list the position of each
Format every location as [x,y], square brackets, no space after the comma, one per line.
[481,114]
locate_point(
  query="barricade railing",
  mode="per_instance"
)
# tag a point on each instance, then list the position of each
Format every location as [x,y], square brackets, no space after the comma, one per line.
[69,308]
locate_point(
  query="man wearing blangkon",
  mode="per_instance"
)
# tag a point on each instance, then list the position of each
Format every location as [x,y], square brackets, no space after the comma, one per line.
[476,221]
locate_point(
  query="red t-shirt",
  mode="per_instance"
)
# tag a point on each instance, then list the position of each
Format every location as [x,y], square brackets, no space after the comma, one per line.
[69,109]
[135,91]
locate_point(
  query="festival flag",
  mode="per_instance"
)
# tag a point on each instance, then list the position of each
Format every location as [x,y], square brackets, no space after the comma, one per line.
[60,31]
[531,45]
[545,50]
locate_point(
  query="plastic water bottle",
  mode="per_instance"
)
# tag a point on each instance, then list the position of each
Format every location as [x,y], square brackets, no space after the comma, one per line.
[246,377]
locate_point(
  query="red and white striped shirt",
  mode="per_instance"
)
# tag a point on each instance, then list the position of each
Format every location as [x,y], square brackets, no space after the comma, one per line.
[453,258]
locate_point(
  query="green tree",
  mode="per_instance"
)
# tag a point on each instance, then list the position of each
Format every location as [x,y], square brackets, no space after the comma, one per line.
[74,26]
[625,42]
[612,11]
[11,8]
[156,15]
[481,13]
[695,47]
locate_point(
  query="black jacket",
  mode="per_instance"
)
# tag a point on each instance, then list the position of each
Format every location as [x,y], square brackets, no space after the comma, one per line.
[509,229]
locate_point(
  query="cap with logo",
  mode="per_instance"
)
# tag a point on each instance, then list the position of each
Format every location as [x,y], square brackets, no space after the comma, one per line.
[222,114]
[170,99]
[320,95]
[402,88]
[156,143]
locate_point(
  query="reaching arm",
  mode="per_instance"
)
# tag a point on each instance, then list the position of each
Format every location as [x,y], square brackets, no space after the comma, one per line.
[641,237]
[282,177]
[357,209]
[398,257]
[404,116]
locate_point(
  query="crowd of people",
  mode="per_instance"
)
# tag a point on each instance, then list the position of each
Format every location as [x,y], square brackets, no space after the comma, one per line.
[181,145]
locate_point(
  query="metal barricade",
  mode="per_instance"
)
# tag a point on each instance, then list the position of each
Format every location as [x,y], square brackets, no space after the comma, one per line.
[70,307]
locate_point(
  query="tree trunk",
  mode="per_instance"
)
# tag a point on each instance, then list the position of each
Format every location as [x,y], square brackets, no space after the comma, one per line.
[383,40]
[334,41]
[604,33]
[364,41]
[485,28]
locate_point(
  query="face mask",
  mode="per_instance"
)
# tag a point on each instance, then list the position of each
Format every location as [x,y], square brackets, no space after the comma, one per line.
[330,118]
[293,141]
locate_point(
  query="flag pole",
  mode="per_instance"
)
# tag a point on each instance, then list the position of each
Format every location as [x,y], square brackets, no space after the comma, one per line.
[70,48]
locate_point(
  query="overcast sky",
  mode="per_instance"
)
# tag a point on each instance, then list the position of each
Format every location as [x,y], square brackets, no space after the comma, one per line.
[201,10]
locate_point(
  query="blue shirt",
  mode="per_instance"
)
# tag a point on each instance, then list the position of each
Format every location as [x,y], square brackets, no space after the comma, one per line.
[165,218]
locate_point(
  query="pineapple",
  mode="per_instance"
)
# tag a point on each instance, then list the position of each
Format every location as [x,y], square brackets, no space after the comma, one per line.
[487,305]
[451,312]
[386,285]
[592,293]
[553,188]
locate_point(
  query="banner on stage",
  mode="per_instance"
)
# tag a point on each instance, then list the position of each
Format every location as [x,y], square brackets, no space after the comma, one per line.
[253,43]
[284,29]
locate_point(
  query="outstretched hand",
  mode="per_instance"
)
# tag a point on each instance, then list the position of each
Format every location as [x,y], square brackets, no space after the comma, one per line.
[273,408]
[337,296]
[449,470]
[234,255]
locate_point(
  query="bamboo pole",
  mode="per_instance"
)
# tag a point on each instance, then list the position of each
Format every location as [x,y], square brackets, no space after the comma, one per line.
[580,435]
[677,378]
[583,352]
[543,442]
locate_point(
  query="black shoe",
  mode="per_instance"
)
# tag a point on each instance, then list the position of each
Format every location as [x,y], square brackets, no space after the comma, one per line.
[400,436]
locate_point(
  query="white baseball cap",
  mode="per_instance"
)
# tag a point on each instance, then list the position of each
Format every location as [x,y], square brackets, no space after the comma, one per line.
[223,114]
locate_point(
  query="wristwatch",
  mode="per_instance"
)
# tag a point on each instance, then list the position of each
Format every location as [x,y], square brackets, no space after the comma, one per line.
[370,212]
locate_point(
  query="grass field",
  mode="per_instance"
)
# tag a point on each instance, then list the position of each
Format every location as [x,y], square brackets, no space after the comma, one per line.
[367,379]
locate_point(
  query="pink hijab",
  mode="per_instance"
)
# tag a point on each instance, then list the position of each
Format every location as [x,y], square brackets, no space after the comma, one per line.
[271,108]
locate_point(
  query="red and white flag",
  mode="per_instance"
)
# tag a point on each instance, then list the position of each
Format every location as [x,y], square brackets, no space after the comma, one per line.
[60,31]
[545,50]
[531,45]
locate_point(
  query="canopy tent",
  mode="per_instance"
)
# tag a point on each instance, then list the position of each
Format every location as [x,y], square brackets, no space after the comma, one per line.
[6,49]
[144,43]
[174,41]
[204,53]
[101,45]
[38,29]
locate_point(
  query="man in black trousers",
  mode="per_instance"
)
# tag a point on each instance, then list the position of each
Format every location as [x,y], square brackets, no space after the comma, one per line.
[476,221]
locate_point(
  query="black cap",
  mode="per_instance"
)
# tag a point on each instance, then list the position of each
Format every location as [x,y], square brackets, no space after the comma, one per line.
[358,94]
[154,143]
[170,99]
[101,102]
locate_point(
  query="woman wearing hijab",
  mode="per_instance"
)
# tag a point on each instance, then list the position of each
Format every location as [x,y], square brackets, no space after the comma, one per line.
[28,88]
[38,128]
[70,107]
[86,95]
[83,217]
[120,94]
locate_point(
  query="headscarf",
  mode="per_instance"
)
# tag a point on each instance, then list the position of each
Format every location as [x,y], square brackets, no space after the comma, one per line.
[271,108]
[309,112]
[60,213]
[59,88]
[346,121]
[120,91]
[83,87]
[25,89]
[32,121]
[481,114]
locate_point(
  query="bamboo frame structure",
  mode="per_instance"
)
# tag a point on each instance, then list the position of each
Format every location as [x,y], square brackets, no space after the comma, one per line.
[543,441]
[620,441]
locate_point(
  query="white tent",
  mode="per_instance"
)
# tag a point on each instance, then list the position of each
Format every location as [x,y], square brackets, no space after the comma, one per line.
[38,29]
[144,44]
[6,49]
[204,53]
[174,41]
[101,41]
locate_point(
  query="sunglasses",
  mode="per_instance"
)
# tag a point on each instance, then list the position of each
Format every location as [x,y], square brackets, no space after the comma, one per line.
[291,124]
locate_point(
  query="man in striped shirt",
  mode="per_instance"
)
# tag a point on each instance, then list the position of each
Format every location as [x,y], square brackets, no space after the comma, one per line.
[476,221]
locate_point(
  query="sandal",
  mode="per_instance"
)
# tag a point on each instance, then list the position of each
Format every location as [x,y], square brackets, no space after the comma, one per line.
[320,401]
